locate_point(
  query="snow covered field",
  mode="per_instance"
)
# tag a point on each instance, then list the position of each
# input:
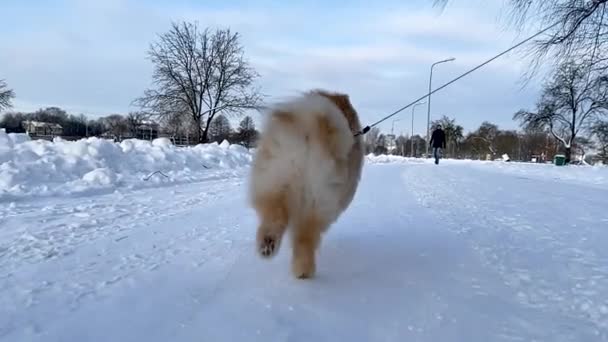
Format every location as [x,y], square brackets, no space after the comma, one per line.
[461,251]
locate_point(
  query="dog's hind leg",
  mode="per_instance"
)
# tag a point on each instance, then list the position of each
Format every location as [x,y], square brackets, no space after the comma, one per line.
[306,240]
[272,209]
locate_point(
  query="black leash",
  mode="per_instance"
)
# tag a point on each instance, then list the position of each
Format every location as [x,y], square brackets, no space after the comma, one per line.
[367,128]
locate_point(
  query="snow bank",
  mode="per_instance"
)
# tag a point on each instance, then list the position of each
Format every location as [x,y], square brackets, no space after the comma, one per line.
[388,159]
[43,168]
[596,176]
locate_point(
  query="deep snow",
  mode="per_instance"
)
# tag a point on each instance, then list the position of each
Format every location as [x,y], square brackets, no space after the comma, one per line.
[460,251]
[92,166]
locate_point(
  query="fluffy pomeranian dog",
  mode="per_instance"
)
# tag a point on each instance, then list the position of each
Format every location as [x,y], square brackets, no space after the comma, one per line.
[305,173]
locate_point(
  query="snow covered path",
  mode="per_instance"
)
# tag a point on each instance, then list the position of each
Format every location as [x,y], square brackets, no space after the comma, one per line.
[451,252]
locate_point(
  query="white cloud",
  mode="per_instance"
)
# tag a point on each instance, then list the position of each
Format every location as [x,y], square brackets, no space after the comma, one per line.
[94,58]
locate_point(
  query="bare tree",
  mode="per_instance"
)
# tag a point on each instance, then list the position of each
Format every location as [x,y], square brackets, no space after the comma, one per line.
[581,32]
[490,132]
[579,29]
[247,133]
[201,73]
[371,139]
[219,129]
[401,145]
[134,120]
[508,142]
[582,145]
[6,96]
[247,124]
[483,140]
[12,122]
[50,114]
[173,124]
[116,125]
[568,104]
[600,131]
[380,147]
[530,143]
[419,145]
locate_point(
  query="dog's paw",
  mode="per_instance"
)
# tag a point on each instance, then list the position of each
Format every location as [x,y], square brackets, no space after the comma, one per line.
[267,246]
[303,268]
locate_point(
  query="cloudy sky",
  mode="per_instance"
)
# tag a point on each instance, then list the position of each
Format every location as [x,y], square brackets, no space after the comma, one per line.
[90,56]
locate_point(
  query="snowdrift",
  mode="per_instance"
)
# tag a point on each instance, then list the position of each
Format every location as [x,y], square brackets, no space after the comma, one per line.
[43,168]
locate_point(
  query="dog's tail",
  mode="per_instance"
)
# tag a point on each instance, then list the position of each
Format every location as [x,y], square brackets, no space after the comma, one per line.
[312,123]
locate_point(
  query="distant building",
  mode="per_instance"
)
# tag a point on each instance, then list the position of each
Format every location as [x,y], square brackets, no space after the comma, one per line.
[147,130]
[42,129]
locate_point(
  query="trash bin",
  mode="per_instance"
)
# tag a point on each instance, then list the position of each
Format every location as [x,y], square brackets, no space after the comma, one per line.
[559,160]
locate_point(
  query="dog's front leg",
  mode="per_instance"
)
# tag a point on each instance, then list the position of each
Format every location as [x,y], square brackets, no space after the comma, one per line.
[272,210]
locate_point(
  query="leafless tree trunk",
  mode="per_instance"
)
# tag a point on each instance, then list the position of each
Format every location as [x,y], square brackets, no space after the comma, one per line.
[202,73]
[6,96]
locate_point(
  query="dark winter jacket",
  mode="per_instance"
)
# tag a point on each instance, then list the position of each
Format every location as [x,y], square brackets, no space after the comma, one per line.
[438,138]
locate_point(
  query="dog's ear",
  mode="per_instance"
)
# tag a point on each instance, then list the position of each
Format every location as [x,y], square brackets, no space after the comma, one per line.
[342,101]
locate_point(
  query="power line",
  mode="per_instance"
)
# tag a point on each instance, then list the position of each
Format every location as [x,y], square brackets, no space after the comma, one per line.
[367,128]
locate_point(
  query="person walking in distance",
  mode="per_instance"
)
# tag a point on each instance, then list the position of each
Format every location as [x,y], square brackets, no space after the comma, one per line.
[438,142]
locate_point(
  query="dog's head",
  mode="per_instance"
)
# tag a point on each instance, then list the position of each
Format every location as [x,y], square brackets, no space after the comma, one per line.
[342,101]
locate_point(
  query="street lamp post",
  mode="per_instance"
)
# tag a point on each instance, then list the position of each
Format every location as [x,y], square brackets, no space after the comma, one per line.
[412,135]
[428,119]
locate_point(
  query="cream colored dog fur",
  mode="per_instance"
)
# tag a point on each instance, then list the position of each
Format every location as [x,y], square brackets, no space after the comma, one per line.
[305,173]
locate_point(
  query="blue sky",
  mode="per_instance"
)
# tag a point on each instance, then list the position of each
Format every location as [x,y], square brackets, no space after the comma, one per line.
[90,56]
